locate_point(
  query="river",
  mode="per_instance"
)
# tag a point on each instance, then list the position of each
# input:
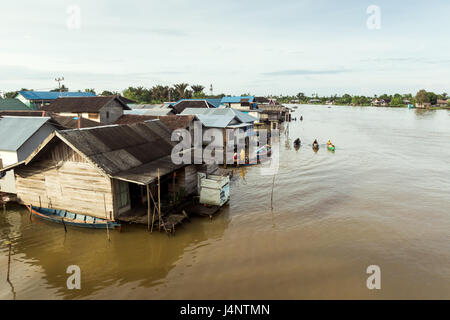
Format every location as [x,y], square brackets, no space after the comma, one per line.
[382,198]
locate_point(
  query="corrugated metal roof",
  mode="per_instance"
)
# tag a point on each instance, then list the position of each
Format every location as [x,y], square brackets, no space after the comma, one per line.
[215,121]
[45,95]
[237,99]
[15,131]
[150,112]
[12,104]
[83,104]
[129,152]
[235,114]
[214,102]
[191,103]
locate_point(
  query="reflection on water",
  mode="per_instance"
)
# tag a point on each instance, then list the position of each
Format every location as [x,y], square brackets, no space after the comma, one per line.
[383,197]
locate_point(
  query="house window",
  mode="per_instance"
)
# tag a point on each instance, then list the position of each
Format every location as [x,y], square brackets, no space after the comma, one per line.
[107,114]
[122,193]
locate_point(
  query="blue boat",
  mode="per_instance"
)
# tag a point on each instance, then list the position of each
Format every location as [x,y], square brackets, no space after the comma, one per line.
[73,219]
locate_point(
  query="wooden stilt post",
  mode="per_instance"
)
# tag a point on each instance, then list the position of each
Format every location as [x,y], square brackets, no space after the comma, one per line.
[153,218]
[8,243]
[148,207]
[159,211]
[107,229]
[159,200]
[271,196]
[64,225]
[106,215]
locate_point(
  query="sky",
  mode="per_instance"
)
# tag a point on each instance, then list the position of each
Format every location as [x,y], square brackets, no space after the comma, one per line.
[259,47]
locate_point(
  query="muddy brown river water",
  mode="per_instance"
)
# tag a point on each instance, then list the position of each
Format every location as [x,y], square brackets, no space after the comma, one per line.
[383,198]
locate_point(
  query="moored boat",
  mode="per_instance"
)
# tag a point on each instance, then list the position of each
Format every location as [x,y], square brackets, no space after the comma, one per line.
[72,219]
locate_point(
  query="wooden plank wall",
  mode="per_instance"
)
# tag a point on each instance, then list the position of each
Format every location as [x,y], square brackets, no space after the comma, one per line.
[190,179]
[62,179]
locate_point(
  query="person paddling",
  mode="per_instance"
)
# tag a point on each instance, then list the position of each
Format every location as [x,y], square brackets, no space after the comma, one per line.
[315,144]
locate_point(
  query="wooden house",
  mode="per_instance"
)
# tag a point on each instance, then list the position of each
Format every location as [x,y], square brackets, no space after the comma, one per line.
[109,171]
[20,136]
[100,109]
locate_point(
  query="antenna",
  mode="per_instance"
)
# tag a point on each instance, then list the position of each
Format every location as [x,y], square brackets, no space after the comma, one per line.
[59,80]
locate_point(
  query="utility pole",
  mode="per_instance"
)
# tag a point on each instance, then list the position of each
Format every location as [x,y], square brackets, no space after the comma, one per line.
[59,80]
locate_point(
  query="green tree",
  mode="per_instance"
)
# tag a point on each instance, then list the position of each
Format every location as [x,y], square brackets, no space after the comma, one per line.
[90,90]
[161,93]
[397,101]
[432,97]
[138,94]
[422,96]
[109,93]
[181,91]
[198,91]
[10,95]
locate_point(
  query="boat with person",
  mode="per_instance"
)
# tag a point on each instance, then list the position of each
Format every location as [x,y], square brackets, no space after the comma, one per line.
[72,219]
[315,145]
[330,146]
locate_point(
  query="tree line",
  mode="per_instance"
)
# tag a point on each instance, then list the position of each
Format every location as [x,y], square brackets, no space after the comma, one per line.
[395,100]
[161,93]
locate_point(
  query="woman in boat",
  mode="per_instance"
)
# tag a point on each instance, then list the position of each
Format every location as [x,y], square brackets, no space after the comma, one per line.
[301,118]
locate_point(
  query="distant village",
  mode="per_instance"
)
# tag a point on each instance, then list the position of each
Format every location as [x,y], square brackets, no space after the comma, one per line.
[423,99]
[103,161]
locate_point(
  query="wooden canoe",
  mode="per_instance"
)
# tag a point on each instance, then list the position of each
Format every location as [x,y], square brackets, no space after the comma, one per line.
[72,219]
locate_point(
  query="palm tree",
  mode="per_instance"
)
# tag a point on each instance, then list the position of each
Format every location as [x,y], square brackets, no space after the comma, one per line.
[160,93]
[198,89]
[181,89]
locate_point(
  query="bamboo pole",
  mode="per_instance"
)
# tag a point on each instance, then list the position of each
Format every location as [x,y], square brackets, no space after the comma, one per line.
[159,213]
[8,243]
[271,196]
[153,218]
[159,200]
